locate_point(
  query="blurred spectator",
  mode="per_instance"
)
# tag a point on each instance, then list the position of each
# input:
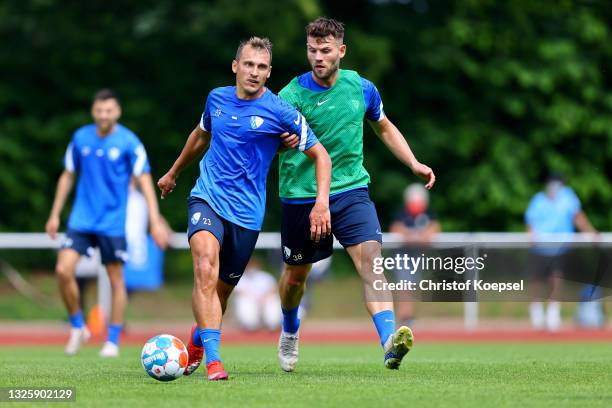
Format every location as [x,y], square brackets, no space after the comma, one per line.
[417,227]
[556,210]
[590,311]
[256,301]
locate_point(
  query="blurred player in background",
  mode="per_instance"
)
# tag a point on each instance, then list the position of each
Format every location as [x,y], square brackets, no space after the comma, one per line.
[556,210]
[106,155]
[242,124]
[142,271]
[335,102]
[256,303]
[417,227]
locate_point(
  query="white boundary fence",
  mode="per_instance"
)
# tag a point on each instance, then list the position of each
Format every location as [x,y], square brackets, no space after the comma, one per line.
[271,240]
[471,241]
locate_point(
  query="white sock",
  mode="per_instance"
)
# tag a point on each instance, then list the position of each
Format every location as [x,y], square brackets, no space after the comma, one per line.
[553,316]
[536,313]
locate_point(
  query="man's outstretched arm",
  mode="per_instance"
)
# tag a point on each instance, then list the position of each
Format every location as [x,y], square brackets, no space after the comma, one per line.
[196,143]
[395,142]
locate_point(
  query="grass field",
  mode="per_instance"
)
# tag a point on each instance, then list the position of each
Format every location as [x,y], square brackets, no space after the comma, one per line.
[437,375]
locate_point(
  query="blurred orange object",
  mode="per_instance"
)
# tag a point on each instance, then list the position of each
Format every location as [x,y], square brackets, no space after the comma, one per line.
[96,320]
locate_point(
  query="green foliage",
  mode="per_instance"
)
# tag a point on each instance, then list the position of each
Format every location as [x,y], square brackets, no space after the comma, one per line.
[490,94]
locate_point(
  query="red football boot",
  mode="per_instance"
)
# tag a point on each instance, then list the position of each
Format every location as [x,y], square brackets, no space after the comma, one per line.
[216,371]
[195,354]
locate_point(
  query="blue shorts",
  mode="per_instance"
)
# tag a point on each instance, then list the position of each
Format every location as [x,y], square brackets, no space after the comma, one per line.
[112,249]
[237,243]
[353,219]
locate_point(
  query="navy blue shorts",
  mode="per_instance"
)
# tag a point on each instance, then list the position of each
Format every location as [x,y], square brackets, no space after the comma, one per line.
[353,219]
[112,249]
[237,243]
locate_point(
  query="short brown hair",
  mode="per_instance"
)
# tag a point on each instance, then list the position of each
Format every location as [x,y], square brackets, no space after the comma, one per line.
[104,94]
[255,42]
[323,27]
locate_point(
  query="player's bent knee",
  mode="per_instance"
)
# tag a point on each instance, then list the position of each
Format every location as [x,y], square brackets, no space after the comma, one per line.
[369,251]
[296,275]
[64,271]
[205,274]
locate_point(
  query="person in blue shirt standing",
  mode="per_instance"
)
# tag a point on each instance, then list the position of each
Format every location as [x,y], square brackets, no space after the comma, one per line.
[242,127]
[551,212]
[106,155]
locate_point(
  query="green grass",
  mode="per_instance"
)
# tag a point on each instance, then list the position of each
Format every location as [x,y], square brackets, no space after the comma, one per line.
[438,375]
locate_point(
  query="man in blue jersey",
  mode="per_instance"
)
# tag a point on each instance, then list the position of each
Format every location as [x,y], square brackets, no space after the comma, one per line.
[335,102]
[550,214]
[241,125]
[106,155]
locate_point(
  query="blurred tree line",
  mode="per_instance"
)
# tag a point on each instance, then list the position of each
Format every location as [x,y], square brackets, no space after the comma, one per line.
[490,94]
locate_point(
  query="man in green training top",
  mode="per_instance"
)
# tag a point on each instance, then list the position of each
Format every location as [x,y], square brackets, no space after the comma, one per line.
[335,102]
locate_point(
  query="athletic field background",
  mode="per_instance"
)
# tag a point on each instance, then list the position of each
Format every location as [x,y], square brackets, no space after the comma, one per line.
[491,95]
[509,374]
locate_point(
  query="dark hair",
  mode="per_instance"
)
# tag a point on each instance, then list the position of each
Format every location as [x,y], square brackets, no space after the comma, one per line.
[323,27]
[554,176]
[104,94]
[255,42]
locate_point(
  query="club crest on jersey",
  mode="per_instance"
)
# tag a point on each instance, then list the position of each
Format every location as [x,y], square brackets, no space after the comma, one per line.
[217,113]
[114,153]
[256,122]
[355,104]
[195,218]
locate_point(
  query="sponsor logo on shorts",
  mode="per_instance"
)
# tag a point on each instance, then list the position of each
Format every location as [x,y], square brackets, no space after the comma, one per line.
[68,242]
[121,254]
[195,218]
[287,252]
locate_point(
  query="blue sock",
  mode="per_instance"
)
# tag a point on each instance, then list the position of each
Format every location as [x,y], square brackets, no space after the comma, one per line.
[195,339]
[291,323]
[76,320]
[210,339]
[385,324]
[114,330]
